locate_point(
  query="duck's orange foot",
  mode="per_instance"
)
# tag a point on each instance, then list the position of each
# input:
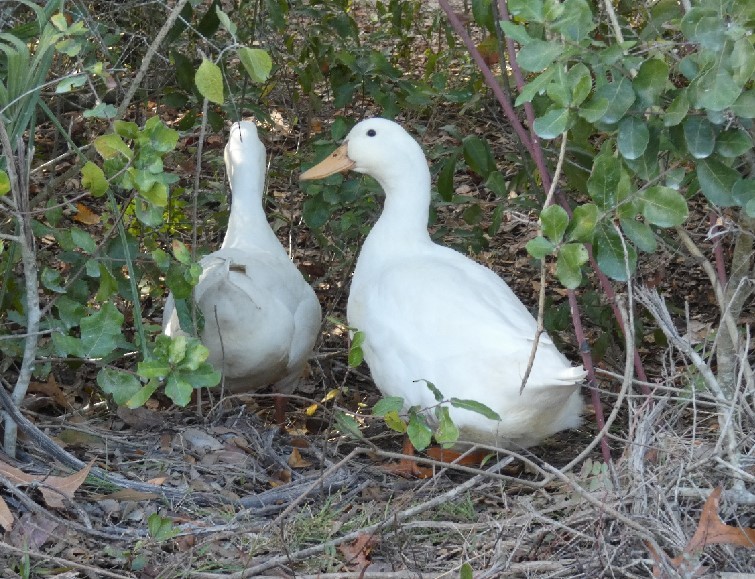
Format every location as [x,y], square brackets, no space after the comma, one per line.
[474,458]
[407,468]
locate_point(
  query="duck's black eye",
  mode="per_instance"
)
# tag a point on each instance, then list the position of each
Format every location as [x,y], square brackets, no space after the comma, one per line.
[371,133]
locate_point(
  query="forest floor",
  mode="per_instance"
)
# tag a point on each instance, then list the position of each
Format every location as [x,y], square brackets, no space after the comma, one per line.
[307,500]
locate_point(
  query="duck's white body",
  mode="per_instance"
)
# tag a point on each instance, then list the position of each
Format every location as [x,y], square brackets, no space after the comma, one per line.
[261,318]
[429,313]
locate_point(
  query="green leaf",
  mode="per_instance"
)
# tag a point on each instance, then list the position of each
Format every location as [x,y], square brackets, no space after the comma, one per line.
[676,112]
[604,180]
[177,349]
[394,422]
[744,191]
[552,124]
[68,84]
[717,90]
[576,21]
[161,529]
[446,179]
[539,247]
[651,81]
[733,143]
[209,82]
[257,63]
[101,111]
[418,432]
[4,183]
[205,376]
[609,253]
[83,240]
[633,137]
[388,404]
[527,10]
[535,86]
[225,21]
[516,32]
[178,390]
[446,433]
[699,136]
[640,234]
[580,83]
[582,225]
[70,311]
[496,182]
[142,395]
[478,156]
[594,109]
[126,129]
[50,279]
[474,406]
[194,355]
[620,97]
[432,388]
[347,425]
[356,356]
[181,252]
[716,181]
[744,106]
[101,332]
[466,571]
[154,368]
[93,179]
[111,146]
[537,55]
[571,257]
[554,221]
[706,27]
[121,385]
[664,207]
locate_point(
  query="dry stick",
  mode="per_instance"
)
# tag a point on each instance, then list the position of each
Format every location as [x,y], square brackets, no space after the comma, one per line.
[20,191]
[718,249]
[94,571]
[371,529]
[151,51]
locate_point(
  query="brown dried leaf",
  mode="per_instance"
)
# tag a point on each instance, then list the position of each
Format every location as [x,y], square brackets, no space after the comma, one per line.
[17,476]
[358,553]
[57,487]
[6,517]
[51,389]
[296,460]
[85,215]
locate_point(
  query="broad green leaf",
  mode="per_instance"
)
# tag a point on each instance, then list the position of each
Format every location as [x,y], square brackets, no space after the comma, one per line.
[620,97]
[496,182]
[101,331]
[640,234]
[609,253]
[744,191]
[4,183]
[716,181]
[205,376]
[446,433]
[93,179]
[194,356]
[126,129]
[478,156]
[161,528]
[418,432]
[70,311]
[437,394]
[50,279]
[537,55]
[647,166]
[111,146]
[558,90]
[66,345]
[148,213]
[388,404]
[535,86]
[347,425]
[664,207]
[181,252]
[257,63]
[571,257]
[582,225]
[677,110]
[576,20]
[554,221]
[474,406]
[651,80]
[482,11]
[604,180]
[356,356]
[155,368]
[594,109]
[446,179]
[466,571]
[699,136]
[178,390]
[225,21]
[527,10]
[733,143]
[706,27]
[83,240]
[717,90]
[539,247]
[177,349]
[394,421]
[742,61]
[209,82]
[163,139]
[633,137]
[101,111]
[580,83]
[516,32]
[121,385]
[70,83]
[744,106]
[142,395]
[552,124]
[157,195]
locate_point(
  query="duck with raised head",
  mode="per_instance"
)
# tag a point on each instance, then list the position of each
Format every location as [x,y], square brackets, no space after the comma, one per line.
[431,314]
[261,318]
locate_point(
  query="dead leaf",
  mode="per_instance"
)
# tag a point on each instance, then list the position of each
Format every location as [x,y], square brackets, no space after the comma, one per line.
[85,215]
[6,517]
[51,389]
[711,530]
[52,487]
[127,495]
[358,553]
[296,460]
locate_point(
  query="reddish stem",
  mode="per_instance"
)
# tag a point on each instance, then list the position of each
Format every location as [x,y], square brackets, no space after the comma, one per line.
[718,250]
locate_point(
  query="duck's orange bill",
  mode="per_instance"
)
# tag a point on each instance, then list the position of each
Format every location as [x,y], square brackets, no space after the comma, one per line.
[337,162]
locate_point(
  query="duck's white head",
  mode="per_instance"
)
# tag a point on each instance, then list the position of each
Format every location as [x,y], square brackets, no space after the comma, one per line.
[377,147]
[244,151]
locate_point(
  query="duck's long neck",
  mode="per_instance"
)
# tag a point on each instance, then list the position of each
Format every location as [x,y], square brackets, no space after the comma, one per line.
[247,224]
[403,222]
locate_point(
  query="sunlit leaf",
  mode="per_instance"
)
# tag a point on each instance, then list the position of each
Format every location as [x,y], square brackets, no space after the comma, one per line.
[257,63]
[121,385]
[633,137]
[664,207]
[474,406]
[388,404]
[554,221]
[418,432]
[571,258]
[209,82]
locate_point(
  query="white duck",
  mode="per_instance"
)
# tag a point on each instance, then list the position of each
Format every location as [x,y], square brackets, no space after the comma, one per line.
[261,318]
[429,313]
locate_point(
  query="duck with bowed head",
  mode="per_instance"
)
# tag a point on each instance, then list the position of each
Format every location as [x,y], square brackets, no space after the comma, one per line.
[431,314]
[261,318]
